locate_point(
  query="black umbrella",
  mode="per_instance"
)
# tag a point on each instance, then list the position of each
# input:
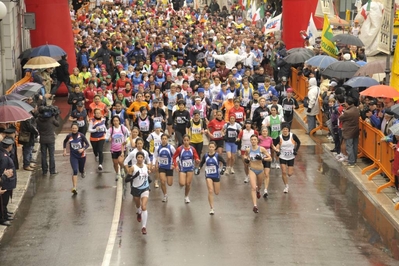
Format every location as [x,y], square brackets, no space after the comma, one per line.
[12,96]
[300,50]
[298,57]
[347,39]
[18,103]
[341,70]
[357,82]
[28,89]
[25,54]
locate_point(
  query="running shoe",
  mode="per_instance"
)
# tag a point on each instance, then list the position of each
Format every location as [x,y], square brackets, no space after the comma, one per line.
[212,212]
[232,171]
[165,198]
[83,174]
[339,156]
[117,177]
[100,167]
[186,200]
[343,158]
[144,231]
[277,165]
[257,193]
[265,194]
[273,165]
[285,190]
[74,191]
[96,158]
[255,209]
[156,185]
[246,179]
[139,217]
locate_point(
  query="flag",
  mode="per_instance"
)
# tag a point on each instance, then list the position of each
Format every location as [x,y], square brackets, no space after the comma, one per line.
[248,5]
[395,69]
[326,39]
[243,4]
[358,5]
[368,5]
[272,25]
[311,31]
[259,14]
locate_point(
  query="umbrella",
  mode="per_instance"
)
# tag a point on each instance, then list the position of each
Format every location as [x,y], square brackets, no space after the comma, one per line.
[12,96]
[300,50]
[41,62]
[394,129]
[372,68]
[341,70]
[347,39]
[382,91]
[18,103]
[395,110]
[357,82]
[25,54]
[321,61]
[11,114]
[297,57]
[361,63]
[28,89]
[48,50]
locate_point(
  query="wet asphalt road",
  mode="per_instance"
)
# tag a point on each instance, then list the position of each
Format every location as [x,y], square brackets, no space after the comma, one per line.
[304,227]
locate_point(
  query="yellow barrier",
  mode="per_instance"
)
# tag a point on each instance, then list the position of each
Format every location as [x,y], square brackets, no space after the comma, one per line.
[24,80]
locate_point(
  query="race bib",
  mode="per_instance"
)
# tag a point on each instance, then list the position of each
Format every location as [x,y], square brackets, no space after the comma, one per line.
[210,169]
[245,147]
[158,119]
[276,127]
[239,115]
[145,128]
[163,161]
[232,134]
[179,120]
[157,142]
[217,134]
[287,107]
[76,146]
[118,140]
[263,114]
[287,153]
[81,123]
[187,163]
[142,176]
[196,130]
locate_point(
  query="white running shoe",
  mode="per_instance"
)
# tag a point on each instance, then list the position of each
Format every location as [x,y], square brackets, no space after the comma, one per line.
[96,159]
[212,212]
[187,200]
[232,171]
[277,165]
[265,194]
[246,179]
[117,177]
[343,159]
[156,185]
[338,156]
[285,189]
[165,198]
[273,165]
[100,167]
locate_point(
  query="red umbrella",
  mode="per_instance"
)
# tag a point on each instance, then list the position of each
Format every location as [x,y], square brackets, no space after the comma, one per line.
[11,114]
[382,91]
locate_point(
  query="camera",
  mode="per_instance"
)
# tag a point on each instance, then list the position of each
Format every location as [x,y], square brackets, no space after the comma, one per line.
[49,111]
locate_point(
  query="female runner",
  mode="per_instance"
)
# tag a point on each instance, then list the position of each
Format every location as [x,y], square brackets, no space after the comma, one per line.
[254,156]
[140,189]
[266,142]
[212,161]
[187,156]
[77,145]
[97,129]
[215,127]
[245,137]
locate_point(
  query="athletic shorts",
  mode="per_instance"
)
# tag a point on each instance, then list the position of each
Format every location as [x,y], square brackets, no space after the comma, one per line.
[215,106]
[287,162]
[139,192]
[276,141]
[168,172]
[230,147]
[266,164]
[186,171]
[214,179]
[115,154]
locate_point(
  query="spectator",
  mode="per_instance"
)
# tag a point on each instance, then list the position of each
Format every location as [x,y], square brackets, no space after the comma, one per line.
[27,135]
[314,106]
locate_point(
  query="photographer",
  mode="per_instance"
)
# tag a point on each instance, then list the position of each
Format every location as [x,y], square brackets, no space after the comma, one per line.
[46,123]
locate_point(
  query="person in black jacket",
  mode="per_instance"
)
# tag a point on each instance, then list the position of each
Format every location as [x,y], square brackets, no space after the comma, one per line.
[27,128]
[62,74]
[8,179]
[166,51]
[75,97]
[106,54]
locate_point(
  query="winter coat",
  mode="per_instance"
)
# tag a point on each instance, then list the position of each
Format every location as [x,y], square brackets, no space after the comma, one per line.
[313,95]
[7,163]
[46,127]
[62,71]
[28,126]
[350,122]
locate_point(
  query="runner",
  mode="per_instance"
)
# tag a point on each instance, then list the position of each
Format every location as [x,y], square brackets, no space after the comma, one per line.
[180,118]
[231,131]
[140,189]
[155,141]
[215,128]
[196,130]
[266,142]
[245,138]
[164,164]
[97,129]
[187,156]
[287,149]
[131,141]
[131,157]
[117,134]
[212,161]
[79,116]
[273,121]
[78,144]
[254,156]
[145,125]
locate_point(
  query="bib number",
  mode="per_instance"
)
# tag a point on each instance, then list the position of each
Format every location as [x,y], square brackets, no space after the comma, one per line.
[81,123]
[118,140]
[157,119]
[239,116]
[163,161]
[232,134]
[287,107]
[210,170]
[187,163]
[196,130]
[76,146]
[276,127]
[217,134]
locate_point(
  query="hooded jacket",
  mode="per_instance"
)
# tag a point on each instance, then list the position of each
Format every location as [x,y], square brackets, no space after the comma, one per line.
[313,95]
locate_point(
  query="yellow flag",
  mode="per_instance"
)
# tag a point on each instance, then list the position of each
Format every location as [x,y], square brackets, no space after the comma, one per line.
[327,45]
[394,82]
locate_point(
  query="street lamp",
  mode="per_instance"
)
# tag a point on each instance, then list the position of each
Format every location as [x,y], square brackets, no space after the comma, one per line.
[3,11]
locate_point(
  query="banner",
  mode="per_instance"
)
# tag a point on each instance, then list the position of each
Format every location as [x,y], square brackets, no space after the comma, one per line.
[385,42]
[311,31]
[395,69]
[272,24]
[327,45]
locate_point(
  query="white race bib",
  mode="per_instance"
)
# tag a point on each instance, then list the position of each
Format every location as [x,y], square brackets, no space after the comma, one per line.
[76,146]
[287,107]
[196,130]
[158,119]
[210,169]
[276,127]
[81,123]
[118,140]
[239,115]
[157,142]
[263,114]
[163,161]
[217,134]
[232,134]
[187,163]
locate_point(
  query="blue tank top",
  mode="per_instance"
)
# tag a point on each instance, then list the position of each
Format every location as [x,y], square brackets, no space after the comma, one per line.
[253,153]
[165,157]
[212,166]
[186,159]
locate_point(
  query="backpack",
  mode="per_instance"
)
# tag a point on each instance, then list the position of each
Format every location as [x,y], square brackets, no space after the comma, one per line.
[306,102]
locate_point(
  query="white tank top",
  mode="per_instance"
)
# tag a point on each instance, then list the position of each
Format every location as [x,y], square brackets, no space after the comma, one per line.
[246,139]
[287,148]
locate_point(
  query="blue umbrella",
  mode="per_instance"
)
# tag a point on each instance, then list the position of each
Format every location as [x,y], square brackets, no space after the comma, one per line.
[357,82]
[47,50]
[321,61]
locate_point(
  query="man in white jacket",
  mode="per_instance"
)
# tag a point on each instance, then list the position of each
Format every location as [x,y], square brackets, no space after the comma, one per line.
[313,107]
[230,58]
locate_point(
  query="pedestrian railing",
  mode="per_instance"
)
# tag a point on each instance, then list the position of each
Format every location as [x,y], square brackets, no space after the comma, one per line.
[299,84]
